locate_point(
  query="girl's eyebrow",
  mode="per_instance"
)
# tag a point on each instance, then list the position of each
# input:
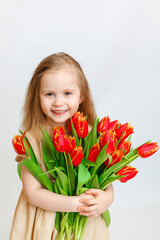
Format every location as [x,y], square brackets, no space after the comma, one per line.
[68,89]
[64,90]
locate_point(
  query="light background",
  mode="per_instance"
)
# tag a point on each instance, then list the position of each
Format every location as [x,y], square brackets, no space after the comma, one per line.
[117,43]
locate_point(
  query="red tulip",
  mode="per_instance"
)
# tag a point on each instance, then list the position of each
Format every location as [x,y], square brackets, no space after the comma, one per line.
[18,145]
[116,157]
[108,137]
[80,124]
[61,141]
[93,152]
[103,125]
[113,125]
[124,147]
[147,149]
[77,155]
[124,131]
[129,173]
[74,120]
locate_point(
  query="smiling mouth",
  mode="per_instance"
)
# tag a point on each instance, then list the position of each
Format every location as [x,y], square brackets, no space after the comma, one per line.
[59,111]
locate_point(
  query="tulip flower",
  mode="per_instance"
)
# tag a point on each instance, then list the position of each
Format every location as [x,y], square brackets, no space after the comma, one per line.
[61,141]
[74,120]
[103,125]
[80,124]
[124,131]
[113,125]
[124,147]
[116,157]
[108,137]
[147,149]
[129,173]
[18,145]
[93,152]
[76,155]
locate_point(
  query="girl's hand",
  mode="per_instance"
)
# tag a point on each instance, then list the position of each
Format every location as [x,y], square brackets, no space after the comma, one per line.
[77,200]
[97,205]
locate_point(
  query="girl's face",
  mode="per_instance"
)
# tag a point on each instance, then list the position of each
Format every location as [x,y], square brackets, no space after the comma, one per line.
[59,95]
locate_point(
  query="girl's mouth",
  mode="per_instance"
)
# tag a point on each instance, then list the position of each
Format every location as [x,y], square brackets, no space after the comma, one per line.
[59,112]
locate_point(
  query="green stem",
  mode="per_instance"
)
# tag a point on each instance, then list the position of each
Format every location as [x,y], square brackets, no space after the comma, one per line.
[68,233]
[69,183]
[84,221]
[76,227]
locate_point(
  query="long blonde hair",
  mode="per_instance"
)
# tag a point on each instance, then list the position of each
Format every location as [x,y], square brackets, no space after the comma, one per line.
[32,113]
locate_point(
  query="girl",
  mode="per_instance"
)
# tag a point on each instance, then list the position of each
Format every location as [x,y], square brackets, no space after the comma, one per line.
[57,90]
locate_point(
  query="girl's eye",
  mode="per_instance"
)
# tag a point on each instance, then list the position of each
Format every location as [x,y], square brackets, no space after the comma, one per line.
[49,94]
[68,93]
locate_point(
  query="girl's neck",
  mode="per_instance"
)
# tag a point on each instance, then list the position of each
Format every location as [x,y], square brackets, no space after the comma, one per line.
[50,125]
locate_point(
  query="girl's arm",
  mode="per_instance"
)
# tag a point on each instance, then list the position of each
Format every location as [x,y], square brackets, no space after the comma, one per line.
[45,199]
[99,204]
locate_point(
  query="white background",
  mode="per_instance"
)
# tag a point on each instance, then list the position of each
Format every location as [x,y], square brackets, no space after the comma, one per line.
[117,43]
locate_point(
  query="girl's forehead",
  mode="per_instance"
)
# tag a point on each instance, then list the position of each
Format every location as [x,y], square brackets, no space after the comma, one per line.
[65,76]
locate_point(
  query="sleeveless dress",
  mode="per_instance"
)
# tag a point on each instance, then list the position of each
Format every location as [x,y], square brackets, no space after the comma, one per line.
[34,223]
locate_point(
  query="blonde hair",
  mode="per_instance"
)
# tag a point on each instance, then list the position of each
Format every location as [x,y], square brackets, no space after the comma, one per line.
[32,113]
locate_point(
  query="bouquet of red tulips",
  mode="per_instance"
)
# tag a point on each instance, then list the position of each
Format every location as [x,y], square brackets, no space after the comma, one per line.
[87,159]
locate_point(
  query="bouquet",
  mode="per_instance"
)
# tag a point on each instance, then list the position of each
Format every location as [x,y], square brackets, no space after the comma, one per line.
[87,159]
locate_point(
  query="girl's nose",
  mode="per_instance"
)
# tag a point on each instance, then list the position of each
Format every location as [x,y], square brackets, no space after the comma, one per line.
[58,101]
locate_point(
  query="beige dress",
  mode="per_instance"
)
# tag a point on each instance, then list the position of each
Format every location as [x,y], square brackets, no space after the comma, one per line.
[33,223]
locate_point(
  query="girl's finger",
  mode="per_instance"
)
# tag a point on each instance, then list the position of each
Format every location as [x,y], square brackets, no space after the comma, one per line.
[87,208]
[88,201]
[92,191]
[89,214]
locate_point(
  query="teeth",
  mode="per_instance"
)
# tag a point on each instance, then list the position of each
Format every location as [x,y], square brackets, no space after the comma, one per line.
[59,111]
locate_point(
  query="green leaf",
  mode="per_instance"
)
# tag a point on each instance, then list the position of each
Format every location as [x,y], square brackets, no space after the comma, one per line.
[107,173]
[58,221]
[94,138]
[87,144]
[116,167]
[83,189]
[56,189]
[89,163]
[71,217]
[95,182]
[29,150]
[36,171]
[64,220]
[50,143]
[62,191]
[106,217]
[83,176]
[75,133]
[100,159]
[131,153]
[47,156]
[125,162]
[109,181]
[19,169]
[72,174]
[64,180]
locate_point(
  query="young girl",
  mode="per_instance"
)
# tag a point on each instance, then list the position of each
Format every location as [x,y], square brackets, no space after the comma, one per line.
[57,90]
